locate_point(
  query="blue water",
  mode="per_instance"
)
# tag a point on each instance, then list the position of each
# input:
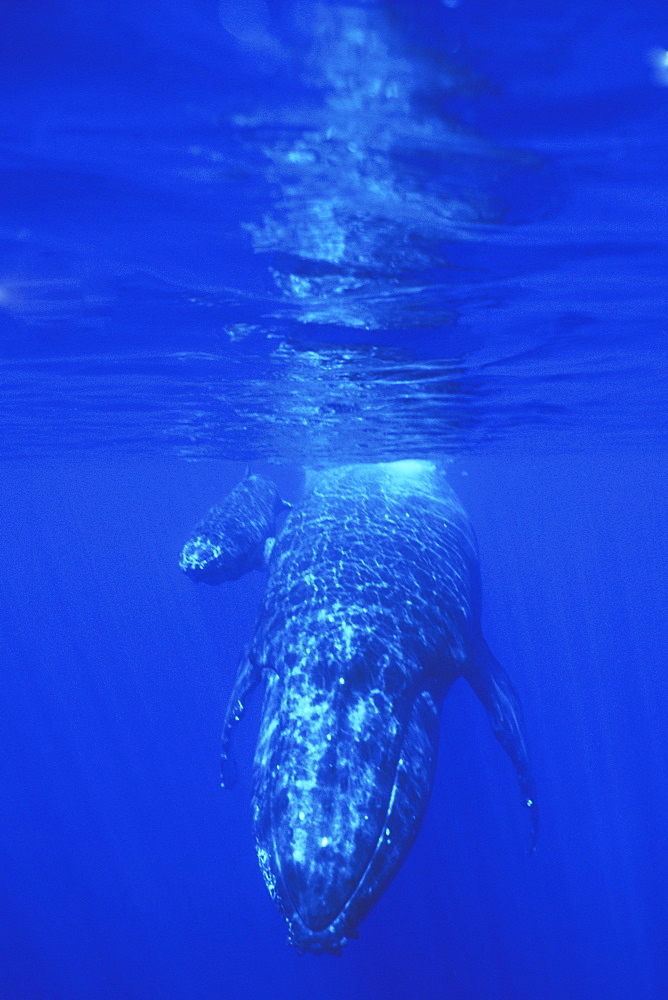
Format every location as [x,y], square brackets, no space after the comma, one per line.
[299,234]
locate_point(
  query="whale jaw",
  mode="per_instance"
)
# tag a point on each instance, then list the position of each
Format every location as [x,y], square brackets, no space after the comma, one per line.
[329,844]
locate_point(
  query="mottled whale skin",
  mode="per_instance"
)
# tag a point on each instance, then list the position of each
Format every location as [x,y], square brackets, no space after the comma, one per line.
[372,611]
[236,534]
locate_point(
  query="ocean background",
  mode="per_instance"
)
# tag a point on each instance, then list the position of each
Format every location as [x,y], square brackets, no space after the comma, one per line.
[288,235]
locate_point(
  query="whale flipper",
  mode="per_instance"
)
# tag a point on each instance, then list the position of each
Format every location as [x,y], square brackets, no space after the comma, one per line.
[247,679]
[496,691]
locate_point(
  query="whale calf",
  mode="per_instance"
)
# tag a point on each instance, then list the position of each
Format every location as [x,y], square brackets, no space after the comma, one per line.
[371,612]
[236,535]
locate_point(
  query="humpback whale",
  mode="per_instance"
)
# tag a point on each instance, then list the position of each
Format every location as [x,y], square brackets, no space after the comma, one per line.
[371,612]
[236,535]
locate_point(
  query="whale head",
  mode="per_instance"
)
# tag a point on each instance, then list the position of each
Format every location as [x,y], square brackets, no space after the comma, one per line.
[342,777]
[232,538]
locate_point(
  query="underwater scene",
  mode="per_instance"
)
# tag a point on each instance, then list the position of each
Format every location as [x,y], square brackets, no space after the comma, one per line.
[333,490]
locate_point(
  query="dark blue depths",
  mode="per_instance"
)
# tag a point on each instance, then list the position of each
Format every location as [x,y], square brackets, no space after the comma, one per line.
[372,611]
[126,871]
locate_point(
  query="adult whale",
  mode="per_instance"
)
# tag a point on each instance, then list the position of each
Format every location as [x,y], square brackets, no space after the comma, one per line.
[372,611]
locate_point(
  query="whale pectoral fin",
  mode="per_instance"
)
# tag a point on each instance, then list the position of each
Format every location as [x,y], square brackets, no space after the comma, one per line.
[248,676]
[496,691]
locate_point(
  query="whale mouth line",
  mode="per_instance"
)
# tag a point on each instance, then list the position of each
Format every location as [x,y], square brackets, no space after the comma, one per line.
[333,936]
